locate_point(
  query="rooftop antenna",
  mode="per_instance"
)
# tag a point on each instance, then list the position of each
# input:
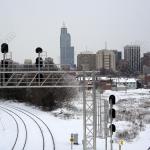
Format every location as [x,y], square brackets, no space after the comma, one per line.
[64,25]
[86,48]
[105,45]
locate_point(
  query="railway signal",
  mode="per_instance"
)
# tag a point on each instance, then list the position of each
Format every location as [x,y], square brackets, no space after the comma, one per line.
[38,50]
[39,75]
[112,115]
[4,63]
[39,64]
[112,100]
[112,128]
[4,48]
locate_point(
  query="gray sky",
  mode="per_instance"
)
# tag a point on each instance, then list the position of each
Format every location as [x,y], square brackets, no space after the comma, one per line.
[27,24]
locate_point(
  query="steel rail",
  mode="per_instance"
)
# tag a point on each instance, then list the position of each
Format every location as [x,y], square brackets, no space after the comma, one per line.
[53,141]
[41,131]
[16,125]
[26,133]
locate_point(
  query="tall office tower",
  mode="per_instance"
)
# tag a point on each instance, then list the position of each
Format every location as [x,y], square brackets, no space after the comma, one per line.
[86,61]
[66,50]
[132,56]
[106,59]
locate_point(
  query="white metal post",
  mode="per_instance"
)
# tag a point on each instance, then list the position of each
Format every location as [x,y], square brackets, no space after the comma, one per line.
[106,121]
[94,112]
[111,142]
[119,146]
[89,113]
[84,114]
[39,68]
[4,68]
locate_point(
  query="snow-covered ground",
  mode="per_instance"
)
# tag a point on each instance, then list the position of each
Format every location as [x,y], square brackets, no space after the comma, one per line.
[63,122]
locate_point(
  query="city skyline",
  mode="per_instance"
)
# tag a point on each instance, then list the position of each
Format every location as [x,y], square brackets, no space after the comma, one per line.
[30,24]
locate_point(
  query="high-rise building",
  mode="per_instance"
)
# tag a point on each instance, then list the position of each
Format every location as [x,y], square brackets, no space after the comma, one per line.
[106,59]
[86,61]
[66,50]
[132,56]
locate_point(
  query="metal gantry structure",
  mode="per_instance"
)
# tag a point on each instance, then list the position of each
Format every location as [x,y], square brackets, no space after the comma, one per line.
[40,75]
[89,113]
[33,78]
[29,76]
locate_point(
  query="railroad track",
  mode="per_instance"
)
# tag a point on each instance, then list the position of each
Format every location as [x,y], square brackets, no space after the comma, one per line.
[17,126]
[42,126]
[52,137]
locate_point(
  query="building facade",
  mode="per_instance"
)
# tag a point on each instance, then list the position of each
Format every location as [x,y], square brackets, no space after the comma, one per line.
[124,83]
[86,61]
[66,50]
[118,58]
[106,59]
[146,63]
[132,56]
[123,67]
[146,59]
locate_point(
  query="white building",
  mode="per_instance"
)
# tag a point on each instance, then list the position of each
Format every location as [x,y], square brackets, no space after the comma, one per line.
[27,62]
[106,59]
[124,83]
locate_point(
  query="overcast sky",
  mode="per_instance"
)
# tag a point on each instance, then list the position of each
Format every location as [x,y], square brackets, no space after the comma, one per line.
[27,24]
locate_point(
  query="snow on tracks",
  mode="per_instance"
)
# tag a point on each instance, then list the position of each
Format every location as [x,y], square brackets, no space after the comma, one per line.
[39,134]
[16,122]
